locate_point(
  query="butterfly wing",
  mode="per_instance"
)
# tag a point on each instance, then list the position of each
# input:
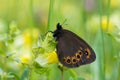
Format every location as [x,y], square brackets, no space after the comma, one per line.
[73,51]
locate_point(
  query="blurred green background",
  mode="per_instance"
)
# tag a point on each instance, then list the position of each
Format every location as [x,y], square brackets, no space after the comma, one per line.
[23,21]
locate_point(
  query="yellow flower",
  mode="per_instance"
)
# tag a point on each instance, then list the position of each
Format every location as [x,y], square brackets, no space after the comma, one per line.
[104,24]
[29,36]
[25,59]
[46,59]
[52,57]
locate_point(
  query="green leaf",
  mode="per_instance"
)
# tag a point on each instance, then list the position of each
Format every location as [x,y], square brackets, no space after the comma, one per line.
[13,75]
[39,69]
[38,51]
[48,43]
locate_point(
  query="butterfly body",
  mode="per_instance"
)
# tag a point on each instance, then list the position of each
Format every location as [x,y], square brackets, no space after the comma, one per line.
[72,51]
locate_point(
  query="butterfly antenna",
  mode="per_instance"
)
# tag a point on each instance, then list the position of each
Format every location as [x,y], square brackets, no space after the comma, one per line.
[64,21]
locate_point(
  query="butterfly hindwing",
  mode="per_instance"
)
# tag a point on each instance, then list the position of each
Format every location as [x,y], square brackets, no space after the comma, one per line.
[71,49]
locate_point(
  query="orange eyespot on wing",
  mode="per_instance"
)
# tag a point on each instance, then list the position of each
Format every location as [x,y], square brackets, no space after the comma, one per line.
[78,55]
[87,53]
[74,60]
[67,60]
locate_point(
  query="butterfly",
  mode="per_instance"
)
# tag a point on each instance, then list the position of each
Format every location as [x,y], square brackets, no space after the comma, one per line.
[72,51]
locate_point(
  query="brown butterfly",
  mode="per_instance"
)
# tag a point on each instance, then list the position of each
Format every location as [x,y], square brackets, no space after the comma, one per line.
[72,51]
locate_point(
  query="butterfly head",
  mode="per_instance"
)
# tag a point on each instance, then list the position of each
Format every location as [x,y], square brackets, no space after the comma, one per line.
[59,27]
[57,33]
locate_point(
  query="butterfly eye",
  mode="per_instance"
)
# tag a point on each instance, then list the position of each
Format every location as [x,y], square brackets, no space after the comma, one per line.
[74,60]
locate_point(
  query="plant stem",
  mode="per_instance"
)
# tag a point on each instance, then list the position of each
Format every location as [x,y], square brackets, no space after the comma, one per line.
[62,74]
[50,13]
[108,13]
[102,36]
